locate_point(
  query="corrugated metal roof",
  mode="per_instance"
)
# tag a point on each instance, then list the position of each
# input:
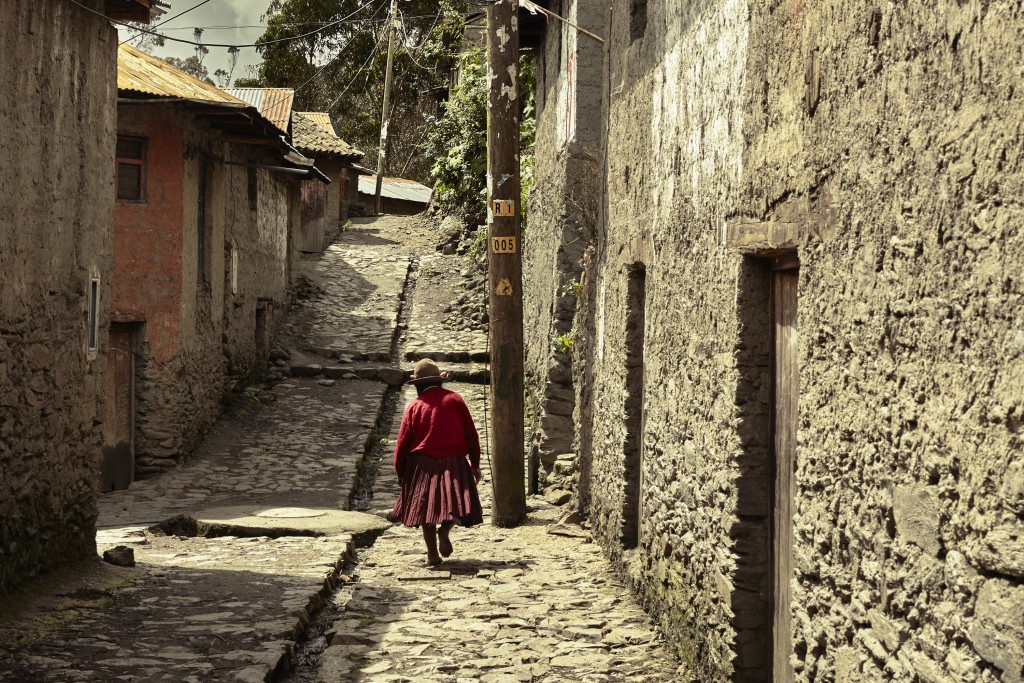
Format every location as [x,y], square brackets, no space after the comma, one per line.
[144,73]
[315,141]
[274,103]
[396,188]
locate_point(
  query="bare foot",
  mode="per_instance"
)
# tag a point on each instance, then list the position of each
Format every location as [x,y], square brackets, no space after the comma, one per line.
[444,544]
[433,561]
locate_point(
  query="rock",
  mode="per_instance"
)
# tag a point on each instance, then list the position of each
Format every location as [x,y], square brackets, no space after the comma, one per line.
[997,633]
[326,382]
[1002,551]
[120,555]
[307,370]
[916,509]
[557,496]
[392,376]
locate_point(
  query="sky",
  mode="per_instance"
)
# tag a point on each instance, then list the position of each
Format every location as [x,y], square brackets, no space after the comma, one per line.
[231,13]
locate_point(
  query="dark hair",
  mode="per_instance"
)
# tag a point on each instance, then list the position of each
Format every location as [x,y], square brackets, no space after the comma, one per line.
[423,386]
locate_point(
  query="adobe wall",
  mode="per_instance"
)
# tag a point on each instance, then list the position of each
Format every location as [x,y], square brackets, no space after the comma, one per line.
[180,362]
[51,245]
[560,223]
[892,170]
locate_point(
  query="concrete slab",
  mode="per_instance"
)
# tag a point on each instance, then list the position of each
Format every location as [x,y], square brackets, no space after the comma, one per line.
[263,520]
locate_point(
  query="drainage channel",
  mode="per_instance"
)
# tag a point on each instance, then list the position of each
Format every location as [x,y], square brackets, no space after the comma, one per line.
[377,452]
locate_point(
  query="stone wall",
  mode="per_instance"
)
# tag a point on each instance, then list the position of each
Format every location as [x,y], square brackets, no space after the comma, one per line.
[881,149]
[255,260]
[560,224]
[58,105]
[158,282]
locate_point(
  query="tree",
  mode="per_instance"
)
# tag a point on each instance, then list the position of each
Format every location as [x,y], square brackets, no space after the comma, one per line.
[457,143]
[341,69]
[192,66]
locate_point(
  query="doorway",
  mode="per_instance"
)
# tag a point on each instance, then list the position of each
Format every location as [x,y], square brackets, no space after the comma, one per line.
[118,468]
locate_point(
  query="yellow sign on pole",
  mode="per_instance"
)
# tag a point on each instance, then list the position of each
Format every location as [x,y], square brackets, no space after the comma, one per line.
[504,287]
[504,207]
[503,245]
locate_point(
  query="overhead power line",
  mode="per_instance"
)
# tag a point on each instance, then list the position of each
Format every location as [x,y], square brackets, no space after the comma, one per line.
[228,45]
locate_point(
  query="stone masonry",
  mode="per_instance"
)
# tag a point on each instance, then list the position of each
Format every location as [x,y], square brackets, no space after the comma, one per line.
[877,147]
[561,222]
[57,94]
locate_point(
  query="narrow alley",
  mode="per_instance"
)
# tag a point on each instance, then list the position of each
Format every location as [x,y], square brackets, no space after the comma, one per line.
[254,544]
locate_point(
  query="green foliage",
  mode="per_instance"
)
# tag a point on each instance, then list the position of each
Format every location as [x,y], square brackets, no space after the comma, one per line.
[565,342]
[479,246]
[193,66]
[572,288]
[342,69]
[458,143]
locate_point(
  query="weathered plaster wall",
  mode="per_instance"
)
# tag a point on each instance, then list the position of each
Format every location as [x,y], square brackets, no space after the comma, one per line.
[897,185]
[180,364]
[256,263]
[57,95]
[333,169]
[560,224]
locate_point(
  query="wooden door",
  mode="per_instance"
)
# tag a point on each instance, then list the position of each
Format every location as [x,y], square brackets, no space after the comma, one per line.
[311,230]
[118,469]
[786,387]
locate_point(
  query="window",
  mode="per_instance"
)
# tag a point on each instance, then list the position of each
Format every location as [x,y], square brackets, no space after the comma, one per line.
[253,189]
[94,317]
[131,168]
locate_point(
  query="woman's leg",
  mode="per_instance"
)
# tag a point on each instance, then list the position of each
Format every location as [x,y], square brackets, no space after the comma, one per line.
[430,538]
[444,543]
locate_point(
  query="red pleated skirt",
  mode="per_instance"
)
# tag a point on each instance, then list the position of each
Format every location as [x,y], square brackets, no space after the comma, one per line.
[438,490]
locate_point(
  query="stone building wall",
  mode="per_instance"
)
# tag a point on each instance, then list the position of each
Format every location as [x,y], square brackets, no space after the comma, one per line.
[882,149]
[560,224]
[255,262]
[58,105]
[159,283]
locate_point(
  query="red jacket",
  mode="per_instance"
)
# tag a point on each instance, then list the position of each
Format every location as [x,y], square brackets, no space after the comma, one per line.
[437,424]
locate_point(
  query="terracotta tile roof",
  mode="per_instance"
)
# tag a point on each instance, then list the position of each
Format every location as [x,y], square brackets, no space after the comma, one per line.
[274,103]
[143,73]
[311,137]
[322,119]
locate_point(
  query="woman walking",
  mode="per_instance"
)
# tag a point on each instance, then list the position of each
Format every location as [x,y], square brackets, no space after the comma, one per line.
[437,458]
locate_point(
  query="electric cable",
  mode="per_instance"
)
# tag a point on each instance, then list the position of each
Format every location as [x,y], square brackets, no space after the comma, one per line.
[196,44]
[341,52]
[166,21]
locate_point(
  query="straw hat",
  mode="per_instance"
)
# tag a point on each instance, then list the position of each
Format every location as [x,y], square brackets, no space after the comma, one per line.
[426,371]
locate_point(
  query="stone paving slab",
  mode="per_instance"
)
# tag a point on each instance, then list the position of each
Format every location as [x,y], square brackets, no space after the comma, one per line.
[362,277]
[192,610]
[429,336]
[510,605]
[301,450]
[535,603]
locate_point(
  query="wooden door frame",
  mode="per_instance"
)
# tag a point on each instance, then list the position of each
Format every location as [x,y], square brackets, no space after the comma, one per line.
[782,265]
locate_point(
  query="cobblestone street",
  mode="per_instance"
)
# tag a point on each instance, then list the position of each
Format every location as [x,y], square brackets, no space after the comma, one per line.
[253,544]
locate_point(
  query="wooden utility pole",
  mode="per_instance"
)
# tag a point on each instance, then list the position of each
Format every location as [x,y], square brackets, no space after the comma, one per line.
[385,114]
[505,269]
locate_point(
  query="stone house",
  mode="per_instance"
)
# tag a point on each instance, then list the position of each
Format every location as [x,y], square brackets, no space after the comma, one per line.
[55,259]
[798,331]
[320,206]
[313,134]
[203,251]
